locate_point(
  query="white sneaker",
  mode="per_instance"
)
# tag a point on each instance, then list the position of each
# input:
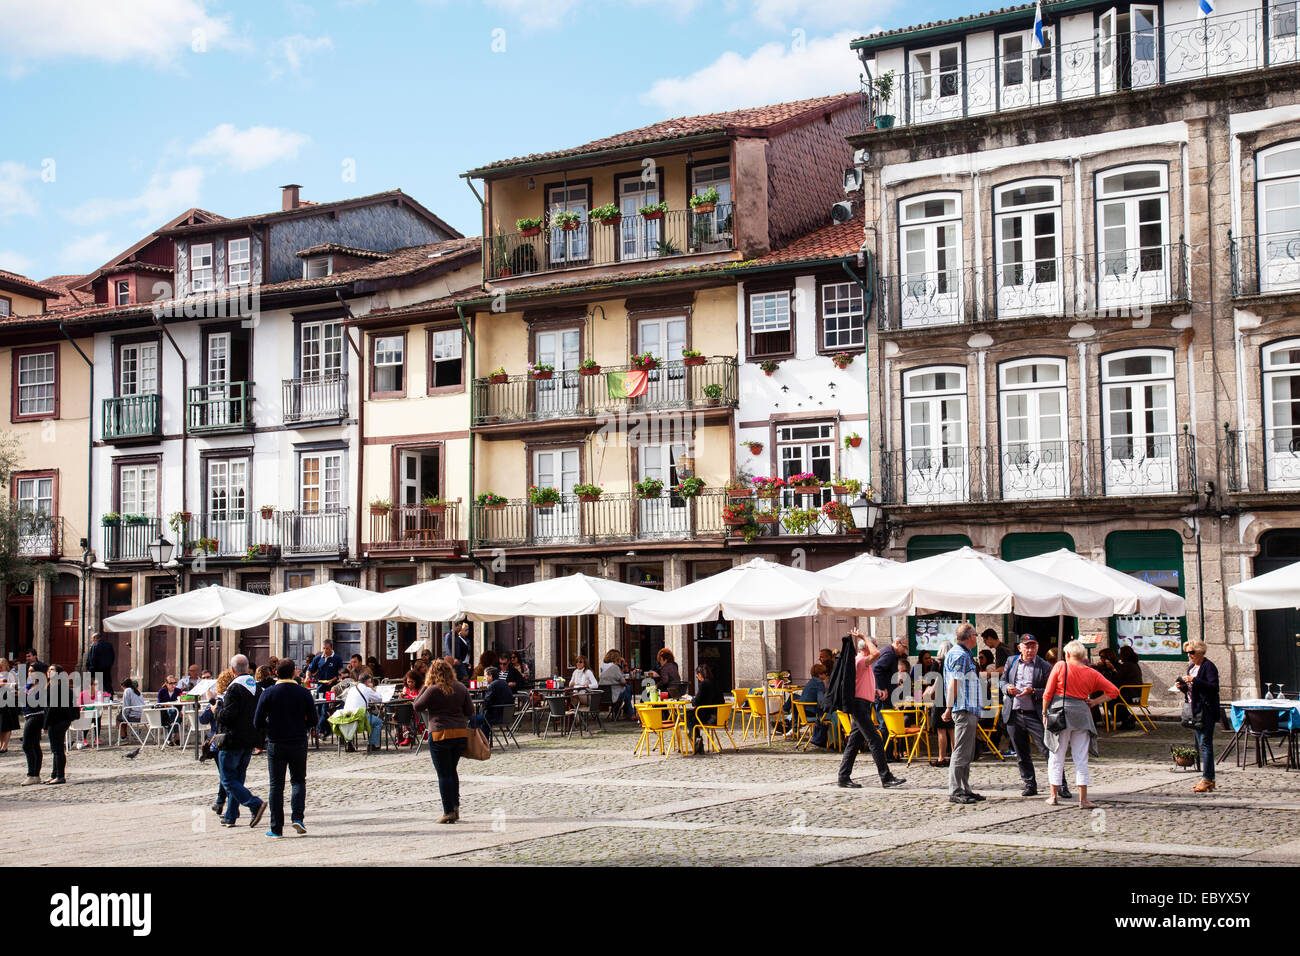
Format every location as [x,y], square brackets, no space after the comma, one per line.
[30,781]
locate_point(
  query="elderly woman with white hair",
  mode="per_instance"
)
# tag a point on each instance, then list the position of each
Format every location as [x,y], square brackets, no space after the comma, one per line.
[1080,688]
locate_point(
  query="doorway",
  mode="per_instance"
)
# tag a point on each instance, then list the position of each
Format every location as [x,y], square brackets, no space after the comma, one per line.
[1279,630]
[65,632]
[163,641]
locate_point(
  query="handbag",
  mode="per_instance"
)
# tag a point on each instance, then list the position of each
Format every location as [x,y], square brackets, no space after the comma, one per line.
[476,745]
[1054,720]
[1187,716]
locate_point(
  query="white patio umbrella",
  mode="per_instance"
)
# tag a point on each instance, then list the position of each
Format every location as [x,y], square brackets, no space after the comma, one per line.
[1275,589]
[874,585]
[442,599]
[310,605]
[556,597]
[202,607]
[1131,596]
[854,566]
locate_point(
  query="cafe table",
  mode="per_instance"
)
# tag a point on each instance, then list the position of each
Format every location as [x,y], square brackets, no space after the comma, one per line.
[1288,718]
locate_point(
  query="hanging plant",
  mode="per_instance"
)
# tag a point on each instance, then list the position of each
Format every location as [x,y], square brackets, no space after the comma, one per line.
[738,487]
[704,202]
[769,366]
[768,487]
[755,447]
[689,487]
[644,361]
[852,440]
[654,210]
[588,492]
[529,225]
[540,371]
[804,483]
[588,367]
[843,360]
[490,501]
[608,214]
[543,497]
[692,357]
[568,221]
[649,488]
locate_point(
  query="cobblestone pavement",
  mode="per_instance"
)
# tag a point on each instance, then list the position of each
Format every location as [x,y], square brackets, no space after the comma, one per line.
[591,801]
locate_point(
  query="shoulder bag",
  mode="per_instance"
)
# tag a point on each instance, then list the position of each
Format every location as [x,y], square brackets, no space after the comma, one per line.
[476,745]
[1054,720]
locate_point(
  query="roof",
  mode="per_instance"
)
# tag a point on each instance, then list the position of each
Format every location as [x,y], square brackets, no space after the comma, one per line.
[306,208]
[189,216]
[887,38]
[334,248]
[830,242]
[134,265]
[64,285]
[753,121]
[14,282]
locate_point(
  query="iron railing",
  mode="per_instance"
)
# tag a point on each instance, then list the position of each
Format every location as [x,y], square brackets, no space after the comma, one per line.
[132,416]
[1118,282]
[128,539]
[1265,264]
[573,394]
[1186,50]
[228,405]
[415,528]
[1045,470]
[678,232]
[233,532]
[1261,459]
[319,398]
[40,535]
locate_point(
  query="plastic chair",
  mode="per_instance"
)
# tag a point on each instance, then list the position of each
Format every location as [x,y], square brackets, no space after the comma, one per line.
[765,712]
[740,710]
[557,710]
[655,723]
[804,725]
[1139,709]
[1233,745]
[721,721]
[82,725]
[896,726]
[504,729]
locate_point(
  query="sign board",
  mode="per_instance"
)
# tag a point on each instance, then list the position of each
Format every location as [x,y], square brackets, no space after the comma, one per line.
[390,640]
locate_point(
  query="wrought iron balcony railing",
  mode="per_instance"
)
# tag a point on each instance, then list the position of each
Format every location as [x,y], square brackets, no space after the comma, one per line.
[129,537]
[1261,459]
[314,399]
[677,232]
[416,528]
[233,532]
[132,416]
[573,394]
[1265,264]
[1044,470]
[40,535]
[226,406]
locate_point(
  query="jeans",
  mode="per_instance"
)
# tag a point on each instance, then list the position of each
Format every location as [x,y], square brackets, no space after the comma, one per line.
[233,765]
[864,732]
[963,751]
[58,734]
[1026,726]
[32,728]
[1205,744]
[446,754]
[293,758]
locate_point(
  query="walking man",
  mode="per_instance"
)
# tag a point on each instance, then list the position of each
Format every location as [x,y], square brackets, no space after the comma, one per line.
[100,659]
[1022,683]
[235,722]
[864,695]
[286,711]
[961,684]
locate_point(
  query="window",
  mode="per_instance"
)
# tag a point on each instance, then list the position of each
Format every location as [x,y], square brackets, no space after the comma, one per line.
[35,495]
[6,307]
[562,349]
[928,95]
[771,331]
[239,261]
[389,367]
[1020,58]
[569,245]
[137,369]
[557,468]
[137,487]
[1138,422]
[1278,202]
[1035,463]
[844,324]
[803,448]
[446,365]
[418,475]
[934,435]
[317,267]
[122,292]
[320,482]
[1027,222]
[36,384]
[1281,364]
[1283,20]
[1132,232]
[714,176]
[226,519]
[638,237]
[201,267]
[930,284]
[668,515]
[320,349]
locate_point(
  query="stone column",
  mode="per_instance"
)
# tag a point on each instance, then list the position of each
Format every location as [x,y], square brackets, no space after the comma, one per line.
[544,662]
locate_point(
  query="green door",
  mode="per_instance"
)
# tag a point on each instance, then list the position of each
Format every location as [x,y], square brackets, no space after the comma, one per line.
[1278,630]
[928,631]
[1155,557]
[1016,547]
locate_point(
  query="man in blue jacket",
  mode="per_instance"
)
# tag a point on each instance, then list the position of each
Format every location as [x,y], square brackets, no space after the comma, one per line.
[286,711]
[1022,682]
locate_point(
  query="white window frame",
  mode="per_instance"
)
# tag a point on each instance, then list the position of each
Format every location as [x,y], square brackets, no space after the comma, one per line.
[134,478]
[1033,284]
[317,267]
[446,345]
[938,471]
[137,374]
[201,275]
[842,304]
[121,292]
[329,468]
[239,269]
[569,245]
[770,311]
[1126,275]
[29,498]
[1278,251]
[1142,461]
[931,294]
[1281,441]
[1034,466]
[390,355]
[320,348]
[706,175]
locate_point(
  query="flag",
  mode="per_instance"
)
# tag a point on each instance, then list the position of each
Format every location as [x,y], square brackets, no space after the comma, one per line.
[626,384]
[1206,7]
[1038,24]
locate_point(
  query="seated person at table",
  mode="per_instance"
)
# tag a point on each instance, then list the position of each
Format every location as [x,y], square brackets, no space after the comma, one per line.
[132,706]
[404,714]
[169,693]
[359,697]
[372,665]
[89,700]
[813,693]
[496,699]
[582,675]
[189,680]
[511,673]
[613,679]
[517,661]
[707,693]
[667,675]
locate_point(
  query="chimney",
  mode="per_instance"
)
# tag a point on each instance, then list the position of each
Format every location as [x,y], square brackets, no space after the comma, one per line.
[289,197]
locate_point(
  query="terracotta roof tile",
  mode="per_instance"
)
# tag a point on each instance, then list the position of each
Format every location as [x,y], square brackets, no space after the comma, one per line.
[830,242]
[325,248]
[20,283]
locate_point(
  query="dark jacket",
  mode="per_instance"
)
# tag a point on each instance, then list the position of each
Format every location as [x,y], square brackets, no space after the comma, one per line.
[668,675]
[842,683]
[498,697]
[1126,676]
[885,668]
[1204,694]
[60,702]
[100,657]
[1042,670]
[708,694]
[285,711]
[512,675]
[236,718]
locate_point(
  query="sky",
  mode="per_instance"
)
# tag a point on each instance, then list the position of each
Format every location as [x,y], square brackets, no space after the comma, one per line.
[118,115]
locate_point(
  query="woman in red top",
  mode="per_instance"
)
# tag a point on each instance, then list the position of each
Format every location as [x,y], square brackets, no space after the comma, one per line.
[1083,688]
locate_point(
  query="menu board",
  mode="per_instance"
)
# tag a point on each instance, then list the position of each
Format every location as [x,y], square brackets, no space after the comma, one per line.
[1160,636]
[933,631]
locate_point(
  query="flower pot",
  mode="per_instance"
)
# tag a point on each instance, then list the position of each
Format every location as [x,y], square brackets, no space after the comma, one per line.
[435,509]
[840,489]
[693,360]
[842,365]
[652,216]
[611,221]
[703,208]
[500,507]
[647,367]
[532,231]
[738,532]
[504,272]
[498,379]
[885,121]
[594,370]
[712,402]
[267,513]
[263,548]
[734,522]
[855,442]
[588,497]
[647,496]
[756,449]
[739,493]
[766,495]
[545,505]
[766,517]
[570,226]
[186,515]
[806,489]
[769,372]
[379,512]
[542,376]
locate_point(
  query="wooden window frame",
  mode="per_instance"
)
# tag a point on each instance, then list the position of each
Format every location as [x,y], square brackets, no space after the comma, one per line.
[131,461]
[429,333]
[212,267]
[830,279]
[37,474]
[406,365]
[138,338]
[766,288]
[9,306]
[14,414]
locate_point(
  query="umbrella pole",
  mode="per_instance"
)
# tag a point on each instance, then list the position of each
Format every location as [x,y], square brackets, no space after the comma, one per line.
[767,715]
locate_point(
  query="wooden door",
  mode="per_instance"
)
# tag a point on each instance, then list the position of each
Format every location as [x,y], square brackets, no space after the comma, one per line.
[64,632]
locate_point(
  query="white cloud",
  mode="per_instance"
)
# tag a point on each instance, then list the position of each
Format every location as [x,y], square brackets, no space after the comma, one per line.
[87,252]
[289,52]
[12,261]
[148,31]
[774,73]
[165,196]
[247,149]
[809,15]
[16,198]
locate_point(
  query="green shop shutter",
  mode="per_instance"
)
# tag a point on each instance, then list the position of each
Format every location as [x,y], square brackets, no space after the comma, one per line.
[927,546]
[1030,544]
[1153,551]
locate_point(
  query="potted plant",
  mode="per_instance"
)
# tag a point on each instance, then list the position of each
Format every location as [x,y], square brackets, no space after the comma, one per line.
[529,225]
[588,367]
[689,487]
[608,214]
[713,393]
[380,507]
[434,505]
[766,517]
[839,512]
[644,361]
[799,520]
[804,483]
[704,202]
[543,497]
[588,492]
[737,514]
[843,360]
[692,357]
[135,520]
[883,87]
[489,501]
[755,447]
[737,486]
[110,520]
[768,487]
[654,210]
[1183,756]
[845,486]
[568,221]
[649,488]
[769,366]
[178,520]
[498,376]
[852,440]
[254,551]
[207,545]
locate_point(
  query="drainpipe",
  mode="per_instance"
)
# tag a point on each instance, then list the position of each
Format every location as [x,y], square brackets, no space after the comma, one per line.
[867,298]
[361,413]
[90,488]
[469,504]
[185,432]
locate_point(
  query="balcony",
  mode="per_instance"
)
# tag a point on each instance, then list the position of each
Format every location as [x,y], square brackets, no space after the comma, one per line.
[1118,283]
[323,398]
[1178,52]
[40,535]
[416,529]
[680,232]
[1262,460]
[1042,471]
[230,534]
[571,394]
[132,418]
[627,519]
[1265,265]
[217,408]
[129,537]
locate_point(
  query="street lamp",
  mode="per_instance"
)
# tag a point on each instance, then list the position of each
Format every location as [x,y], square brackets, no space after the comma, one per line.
[866,515]
[161,551]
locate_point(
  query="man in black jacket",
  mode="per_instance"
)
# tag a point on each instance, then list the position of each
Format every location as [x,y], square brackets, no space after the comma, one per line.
[286,711]
[1022,682]
[100,659]
[853,690]
[235,721]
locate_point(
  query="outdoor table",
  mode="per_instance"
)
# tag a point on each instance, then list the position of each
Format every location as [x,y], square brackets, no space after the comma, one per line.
[1288,718]
[678,709]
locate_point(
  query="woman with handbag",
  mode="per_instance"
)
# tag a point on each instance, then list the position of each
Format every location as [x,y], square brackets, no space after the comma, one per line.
[1073,689]
[1201,708]
[447,708]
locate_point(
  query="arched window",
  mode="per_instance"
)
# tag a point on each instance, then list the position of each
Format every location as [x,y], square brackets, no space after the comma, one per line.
[1133,263]
[1277,201]
[929,249]
[1137,406]
[1027,225]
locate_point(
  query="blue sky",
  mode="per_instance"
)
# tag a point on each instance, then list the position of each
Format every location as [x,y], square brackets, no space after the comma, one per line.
[120,114]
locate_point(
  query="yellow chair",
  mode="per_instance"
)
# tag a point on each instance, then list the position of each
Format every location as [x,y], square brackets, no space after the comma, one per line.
[844,721]
[991,712]
[764,712]
[1139,709]
[740,710]
[709,731]
[896,726]
[804,725]
[654,723]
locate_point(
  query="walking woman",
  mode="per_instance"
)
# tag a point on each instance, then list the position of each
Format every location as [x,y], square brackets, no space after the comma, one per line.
[446,705]
[10,694]
[1083,688]
[53,710]
[1201,690]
